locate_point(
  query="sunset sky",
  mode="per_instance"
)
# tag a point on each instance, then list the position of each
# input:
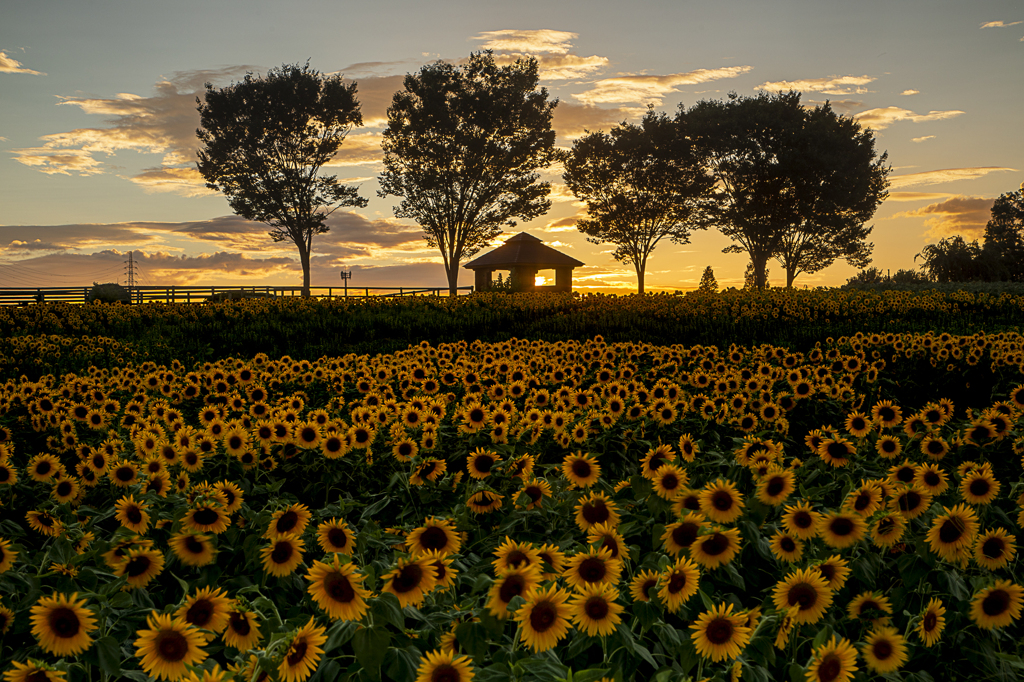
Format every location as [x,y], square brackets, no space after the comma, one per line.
[98,121]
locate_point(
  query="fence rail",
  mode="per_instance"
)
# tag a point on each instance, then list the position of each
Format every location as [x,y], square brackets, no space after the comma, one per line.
[200,294]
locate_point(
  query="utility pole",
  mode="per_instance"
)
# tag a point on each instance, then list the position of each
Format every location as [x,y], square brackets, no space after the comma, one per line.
[345,277]
[130,267]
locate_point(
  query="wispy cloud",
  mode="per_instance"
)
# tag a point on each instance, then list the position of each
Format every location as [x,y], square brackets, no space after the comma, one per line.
[572,120]
[644,88]
[832,85]
[886,116]
[186,182]
[922,139]
[938,177]
[566,224]
[964,215]
[527,40]
[917,196]
[1000,24]
[843,106]
[9,64]
[910,92]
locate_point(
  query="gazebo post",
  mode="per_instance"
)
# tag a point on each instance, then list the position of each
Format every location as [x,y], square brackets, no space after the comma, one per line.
[563,279]
[483,279]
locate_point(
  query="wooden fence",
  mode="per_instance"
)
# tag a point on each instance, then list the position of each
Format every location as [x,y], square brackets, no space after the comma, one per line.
[200,294]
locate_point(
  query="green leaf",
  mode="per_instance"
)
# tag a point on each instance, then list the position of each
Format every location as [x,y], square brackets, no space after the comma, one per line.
[589,675]
[371,647]
[121,600]
[403,663]
[708,603]
[338,634]
[386,607]
[374,508]
[797,673]
[327,670]
[108,651]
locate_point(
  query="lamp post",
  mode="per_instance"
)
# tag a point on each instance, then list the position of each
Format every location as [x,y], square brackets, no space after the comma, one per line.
[345,277]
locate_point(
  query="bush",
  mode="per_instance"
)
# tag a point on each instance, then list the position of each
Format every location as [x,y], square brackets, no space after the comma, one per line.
[108,293]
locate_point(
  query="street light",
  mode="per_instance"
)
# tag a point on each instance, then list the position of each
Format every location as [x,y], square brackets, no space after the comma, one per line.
[345,277]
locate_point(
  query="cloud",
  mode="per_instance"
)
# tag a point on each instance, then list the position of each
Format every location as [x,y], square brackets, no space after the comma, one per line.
[375,94]
[937,177]
[186,182]
[529,41]
[885,117]
[965,215]
[832,85]
[357,150]
[843,106]
[560,193]
[573,120]
[916,196]
[643,88]
[910,92]
[15,240]
[559,67]
[9,64]
[922,139]
[1000,24]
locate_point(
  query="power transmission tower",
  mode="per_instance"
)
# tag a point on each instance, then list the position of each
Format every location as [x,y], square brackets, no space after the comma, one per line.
[130,267]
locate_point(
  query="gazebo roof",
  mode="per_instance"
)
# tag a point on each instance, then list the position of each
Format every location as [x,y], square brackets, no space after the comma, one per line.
[523,249]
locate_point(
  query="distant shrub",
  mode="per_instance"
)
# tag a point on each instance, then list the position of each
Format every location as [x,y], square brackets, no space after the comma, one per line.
[108,293]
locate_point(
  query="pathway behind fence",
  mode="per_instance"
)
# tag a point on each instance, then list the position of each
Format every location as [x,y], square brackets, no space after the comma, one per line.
[199,294]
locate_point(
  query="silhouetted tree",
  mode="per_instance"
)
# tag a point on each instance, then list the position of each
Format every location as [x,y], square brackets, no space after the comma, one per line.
[794,184]
[266,140]
[1004,235]
[750,278]
[876,276]
[951,260]
[708,283]
[462,148]
[641,184]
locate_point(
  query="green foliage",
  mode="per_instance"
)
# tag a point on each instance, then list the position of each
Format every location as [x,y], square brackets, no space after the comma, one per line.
[266,140]
[108,293]
[708,283]
[873,276]
[641,184]
[462,149]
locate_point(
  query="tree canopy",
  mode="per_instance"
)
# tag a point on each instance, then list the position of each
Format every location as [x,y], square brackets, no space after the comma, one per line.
[462,149]
[641,184]
[794,184]
[266,140]
[1004,235]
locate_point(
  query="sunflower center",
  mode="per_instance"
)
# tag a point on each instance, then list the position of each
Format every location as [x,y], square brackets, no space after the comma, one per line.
[543,617]
[670,481]
[979,487]
[64,622]
[287,522]
[297,653]
[910,501]
[722,500]
[512,587]
[124,473]
[172,646]
[581,468]
[282,552]
[930,621]
[828,571]
[837,450]
[787,544]
[337,538]
[932,479]
[950,532]
[483,463]
[935,447]
[200,613]
[882,649]
[803,595]
[996,603]
[775,486]
[338,587]
[887,414]
[137,566]
[595,512]
[685,534]
[592,570]
[719,631]
[205,517]
[992,548]
[905,475]
[715,544]
[886,526]
[534,492]
[193,545]
[802,519]
[516,557]
[862,502]
[676,583]
[596,608]
[841,526]
[43,468]
[134,515]
[408,578]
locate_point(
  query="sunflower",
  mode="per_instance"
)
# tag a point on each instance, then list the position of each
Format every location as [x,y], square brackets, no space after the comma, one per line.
[581,470]
[801,520]
[886,415]
[243,630]
[979,487]
[997,606]
[994,549]
[335,536]
[932,478]
[337,589]
[857,424]
[481,462]
[642,584]
[544,618]
[669,480]
[533,493]
[678,536]
[721,501]
[655,459]
[551,556]
[410,580]
[679,582]
[32,671]
[591,567]
[435,535]
[688,447]
[207,609]
[511,583]
[303,653]
[910,500]
[865,499]
[719,633]
[44,467]
[715,548]
[786,547]
[775,487]
[65,489]
[836,451]
[604,536]
[168,646]
[7,555]
[283,555]
[292,519]
[953,531]
[841,529]
[140,566]
[833,661]
[233,493]
[132,514]
[206,517]
[61,624]
[44,523]
[8,474]
[807,589]
[932,623]
[865,603]
[484,502]
[193,549]
[594,610]
[887,531]
[888,447]
[444,666]
[596,508]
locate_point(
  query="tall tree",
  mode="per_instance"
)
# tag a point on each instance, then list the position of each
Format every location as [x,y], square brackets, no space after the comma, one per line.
[641,184]
[953,259]
[266,140]
[462,149]
[793,184]
[1004,235]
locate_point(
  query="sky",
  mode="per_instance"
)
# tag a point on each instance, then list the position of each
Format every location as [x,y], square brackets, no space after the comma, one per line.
[98,119]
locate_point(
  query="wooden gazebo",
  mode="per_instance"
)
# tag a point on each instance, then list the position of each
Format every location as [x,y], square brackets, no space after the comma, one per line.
[524,255]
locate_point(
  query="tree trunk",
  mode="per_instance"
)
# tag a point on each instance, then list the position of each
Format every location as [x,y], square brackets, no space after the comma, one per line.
[790,276]
[304,259]
[453,278]
[759,261]
[639,277]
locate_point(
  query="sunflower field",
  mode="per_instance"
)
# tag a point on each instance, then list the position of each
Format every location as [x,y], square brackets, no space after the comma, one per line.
[554,510]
